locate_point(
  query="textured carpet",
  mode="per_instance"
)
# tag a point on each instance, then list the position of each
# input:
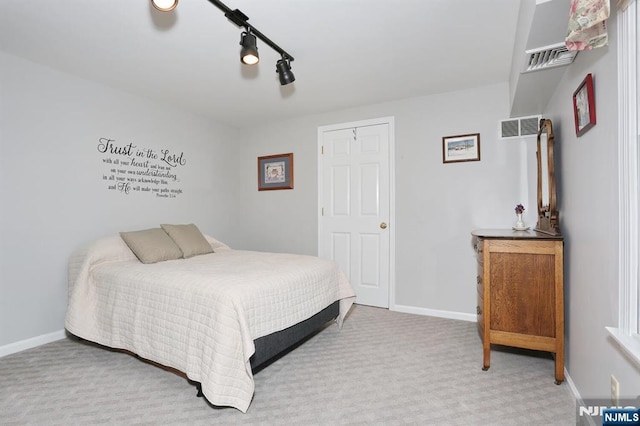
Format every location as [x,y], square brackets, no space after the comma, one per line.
[381,368]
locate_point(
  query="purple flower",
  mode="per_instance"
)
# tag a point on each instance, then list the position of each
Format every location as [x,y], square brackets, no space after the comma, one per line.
[519,209]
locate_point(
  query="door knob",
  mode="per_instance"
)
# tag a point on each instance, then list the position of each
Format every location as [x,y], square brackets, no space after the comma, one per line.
[383,225]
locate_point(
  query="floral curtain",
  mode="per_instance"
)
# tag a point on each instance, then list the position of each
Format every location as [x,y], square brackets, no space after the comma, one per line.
[587,24]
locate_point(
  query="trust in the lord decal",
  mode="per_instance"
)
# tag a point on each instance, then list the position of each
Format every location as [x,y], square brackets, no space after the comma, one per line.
[130,168]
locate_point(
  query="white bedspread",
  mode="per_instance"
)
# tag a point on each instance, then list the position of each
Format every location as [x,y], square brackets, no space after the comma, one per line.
[198,315]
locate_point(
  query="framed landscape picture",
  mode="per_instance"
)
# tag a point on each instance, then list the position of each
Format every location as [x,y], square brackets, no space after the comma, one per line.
[275,172]
[461,148]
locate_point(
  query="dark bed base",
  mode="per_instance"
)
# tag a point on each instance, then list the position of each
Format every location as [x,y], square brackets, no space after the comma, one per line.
[270,347]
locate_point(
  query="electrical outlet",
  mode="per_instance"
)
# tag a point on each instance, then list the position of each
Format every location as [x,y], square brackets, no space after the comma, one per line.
[615,391]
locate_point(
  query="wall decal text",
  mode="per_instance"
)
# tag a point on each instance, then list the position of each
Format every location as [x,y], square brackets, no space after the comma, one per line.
[134,169]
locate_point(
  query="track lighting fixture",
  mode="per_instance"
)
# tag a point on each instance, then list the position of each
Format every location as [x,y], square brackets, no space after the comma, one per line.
[164,5]
[283,68]
[249,51]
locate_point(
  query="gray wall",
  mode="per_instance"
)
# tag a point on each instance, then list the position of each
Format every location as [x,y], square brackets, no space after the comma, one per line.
[588,194]
[52,193]
[54,199]
[437,205]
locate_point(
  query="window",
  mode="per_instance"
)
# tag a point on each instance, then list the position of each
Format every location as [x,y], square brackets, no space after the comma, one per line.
[627,332]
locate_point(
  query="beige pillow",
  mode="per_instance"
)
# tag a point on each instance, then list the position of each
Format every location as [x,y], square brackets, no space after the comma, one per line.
[151,245]
[189,239]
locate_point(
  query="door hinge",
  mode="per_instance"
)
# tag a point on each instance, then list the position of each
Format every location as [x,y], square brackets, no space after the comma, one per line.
[322,211]
[322,150]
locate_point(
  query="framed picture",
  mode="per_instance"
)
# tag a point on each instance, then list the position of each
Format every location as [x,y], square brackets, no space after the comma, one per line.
[275,172]
[584,106]
[461,148]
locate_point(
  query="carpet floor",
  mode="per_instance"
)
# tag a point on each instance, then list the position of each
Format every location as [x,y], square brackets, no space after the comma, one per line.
[383,367]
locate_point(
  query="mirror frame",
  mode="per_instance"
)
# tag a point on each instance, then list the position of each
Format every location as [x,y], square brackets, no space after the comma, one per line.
[548,217]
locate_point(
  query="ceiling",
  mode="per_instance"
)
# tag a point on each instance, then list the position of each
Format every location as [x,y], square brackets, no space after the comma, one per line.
[347,53]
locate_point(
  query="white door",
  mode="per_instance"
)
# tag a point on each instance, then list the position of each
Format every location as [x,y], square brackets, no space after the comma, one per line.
[355,198]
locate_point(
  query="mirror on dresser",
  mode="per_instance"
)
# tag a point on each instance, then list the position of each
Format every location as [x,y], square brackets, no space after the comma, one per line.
[548,217]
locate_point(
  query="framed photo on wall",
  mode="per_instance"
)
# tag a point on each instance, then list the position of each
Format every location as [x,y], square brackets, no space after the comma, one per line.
[275,172]
[584,106]
[461,148]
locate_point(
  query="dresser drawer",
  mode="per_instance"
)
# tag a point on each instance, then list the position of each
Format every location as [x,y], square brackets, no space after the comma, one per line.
[480,314]
[478,246]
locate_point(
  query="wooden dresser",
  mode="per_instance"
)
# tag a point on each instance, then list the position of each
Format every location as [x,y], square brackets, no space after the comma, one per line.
[520,292]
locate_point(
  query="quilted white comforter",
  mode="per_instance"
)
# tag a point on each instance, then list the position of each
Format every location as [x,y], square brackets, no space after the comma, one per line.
[198,315]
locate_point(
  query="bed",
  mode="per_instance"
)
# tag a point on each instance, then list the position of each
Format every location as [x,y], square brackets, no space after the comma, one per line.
[216,316]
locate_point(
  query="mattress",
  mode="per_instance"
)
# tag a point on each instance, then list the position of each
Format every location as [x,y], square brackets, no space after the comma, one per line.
[198,315]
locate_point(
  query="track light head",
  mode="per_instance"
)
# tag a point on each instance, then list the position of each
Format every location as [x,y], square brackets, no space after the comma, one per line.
[249,52]
[283,68]
[164,5]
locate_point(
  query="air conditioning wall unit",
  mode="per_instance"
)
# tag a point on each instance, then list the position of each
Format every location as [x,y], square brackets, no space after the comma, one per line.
[519,127]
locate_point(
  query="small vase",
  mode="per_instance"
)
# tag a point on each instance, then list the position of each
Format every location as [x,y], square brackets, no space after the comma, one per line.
[520,223]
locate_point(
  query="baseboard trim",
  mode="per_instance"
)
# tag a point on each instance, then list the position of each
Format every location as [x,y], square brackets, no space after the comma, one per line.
[23,345]
[434,313]
[580,420]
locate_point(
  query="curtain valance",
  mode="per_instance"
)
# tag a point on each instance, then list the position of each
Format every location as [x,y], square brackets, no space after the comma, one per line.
[587,24]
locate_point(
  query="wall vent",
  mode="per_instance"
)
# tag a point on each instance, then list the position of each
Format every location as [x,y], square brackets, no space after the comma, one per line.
[519,127]
[555,55]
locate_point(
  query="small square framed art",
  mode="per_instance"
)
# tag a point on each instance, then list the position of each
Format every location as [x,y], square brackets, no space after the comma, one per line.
[275,172]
